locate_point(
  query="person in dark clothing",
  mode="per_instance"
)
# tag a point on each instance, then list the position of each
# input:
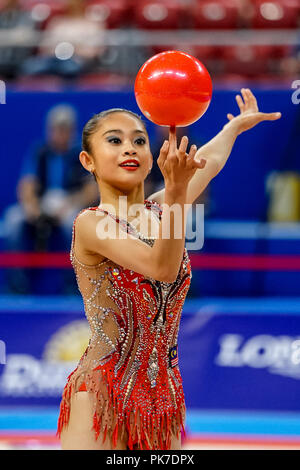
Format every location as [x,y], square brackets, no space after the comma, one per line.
[52,187]
[14,19]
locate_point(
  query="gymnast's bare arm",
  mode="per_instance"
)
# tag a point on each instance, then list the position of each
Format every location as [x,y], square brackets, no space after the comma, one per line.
[216,152]
[98,232]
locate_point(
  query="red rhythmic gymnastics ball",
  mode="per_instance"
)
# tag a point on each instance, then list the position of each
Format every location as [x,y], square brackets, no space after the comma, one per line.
[173,89]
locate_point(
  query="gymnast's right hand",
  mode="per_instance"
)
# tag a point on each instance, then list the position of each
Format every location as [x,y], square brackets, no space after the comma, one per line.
[178,166]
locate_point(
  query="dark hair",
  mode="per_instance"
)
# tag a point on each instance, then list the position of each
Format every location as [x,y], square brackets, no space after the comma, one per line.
[91,126]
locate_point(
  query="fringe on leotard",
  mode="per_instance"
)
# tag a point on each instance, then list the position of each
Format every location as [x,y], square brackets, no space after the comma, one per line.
[148,430]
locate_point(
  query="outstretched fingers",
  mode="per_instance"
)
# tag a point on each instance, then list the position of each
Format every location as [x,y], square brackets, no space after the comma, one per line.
[245,98]
[182,155]
[252,102]
[240,103]
[247,102]
[163,153]
[193,151]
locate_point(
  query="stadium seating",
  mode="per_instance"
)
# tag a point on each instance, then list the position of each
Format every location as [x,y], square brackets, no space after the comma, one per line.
[210,14]
[204,53]
[275,14]
[44,10]
[282,51]
[95,81]
[246,59]
[189,15]
[156,14]
[114,13]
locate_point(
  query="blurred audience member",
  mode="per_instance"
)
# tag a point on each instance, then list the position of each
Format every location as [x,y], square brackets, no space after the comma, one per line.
[18,25]
[70,45]
[53,187]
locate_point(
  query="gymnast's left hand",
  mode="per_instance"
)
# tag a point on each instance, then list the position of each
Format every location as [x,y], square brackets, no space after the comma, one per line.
[249,115]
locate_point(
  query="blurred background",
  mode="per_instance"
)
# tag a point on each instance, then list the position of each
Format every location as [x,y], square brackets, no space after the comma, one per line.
[239,342]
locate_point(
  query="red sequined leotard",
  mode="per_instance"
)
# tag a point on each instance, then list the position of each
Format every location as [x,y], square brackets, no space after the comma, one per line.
[131,363]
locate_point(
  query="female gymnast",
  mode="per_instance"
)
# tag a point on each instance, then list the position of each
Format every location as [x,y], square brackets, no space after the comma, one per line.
[126,391]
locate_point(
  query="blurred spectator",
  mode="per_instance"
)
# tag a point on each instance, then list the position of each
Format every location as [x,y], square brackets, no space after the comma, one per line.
[53,187]
[70,45]
[18,23]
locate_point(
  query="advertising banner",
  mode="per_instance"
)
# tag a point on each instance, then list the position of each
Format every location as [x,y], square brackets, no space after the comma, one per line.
[241,361]
[41,351]
[231,356]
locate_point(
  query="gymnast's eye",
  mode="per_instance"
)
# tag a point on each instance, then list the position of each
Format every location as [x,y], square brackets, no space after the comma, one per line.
[114,140]
[140,141]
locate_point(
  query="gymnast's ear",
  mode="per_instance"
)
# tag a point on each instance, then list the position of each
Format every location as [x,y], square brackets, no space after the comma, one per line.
[87,161]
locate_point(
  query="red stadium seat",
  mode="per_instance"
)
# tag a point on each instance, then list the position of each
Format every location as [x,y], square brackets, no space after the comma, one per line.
[275,14]
[42,11]
[114,13]
[247,59]
[101,81]
[163,48]
[247,52]
[213,14]
[229,80]
[158,14]
[237,81]
[203,53]
[280,52]
[2,4]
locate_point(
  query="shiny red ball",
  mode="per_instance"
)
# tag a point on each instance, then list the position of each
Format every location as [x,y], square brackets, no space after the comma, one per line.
[173,89]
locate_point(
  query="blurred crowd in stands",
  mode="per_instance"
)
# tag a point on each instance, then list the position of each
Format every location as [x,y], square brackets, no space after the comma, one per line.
[52,188]
[67,38]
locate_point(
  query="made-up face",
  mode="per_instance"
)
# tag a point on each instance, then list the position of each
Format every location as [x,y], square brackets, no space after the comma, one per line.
[121,137]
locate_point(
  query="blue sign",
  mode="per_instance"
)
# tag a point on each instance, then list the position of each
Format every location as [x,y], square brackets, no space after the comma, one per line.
[240,360]
[232,355]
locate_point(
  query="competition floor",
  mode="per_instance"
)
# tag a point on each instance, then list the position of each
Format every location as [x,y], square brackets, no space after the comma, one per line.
[30,428]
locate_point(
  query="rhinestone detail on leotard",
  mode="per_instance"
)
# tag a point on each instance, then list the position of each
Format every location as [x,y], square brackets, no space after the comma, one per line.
[134,322]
